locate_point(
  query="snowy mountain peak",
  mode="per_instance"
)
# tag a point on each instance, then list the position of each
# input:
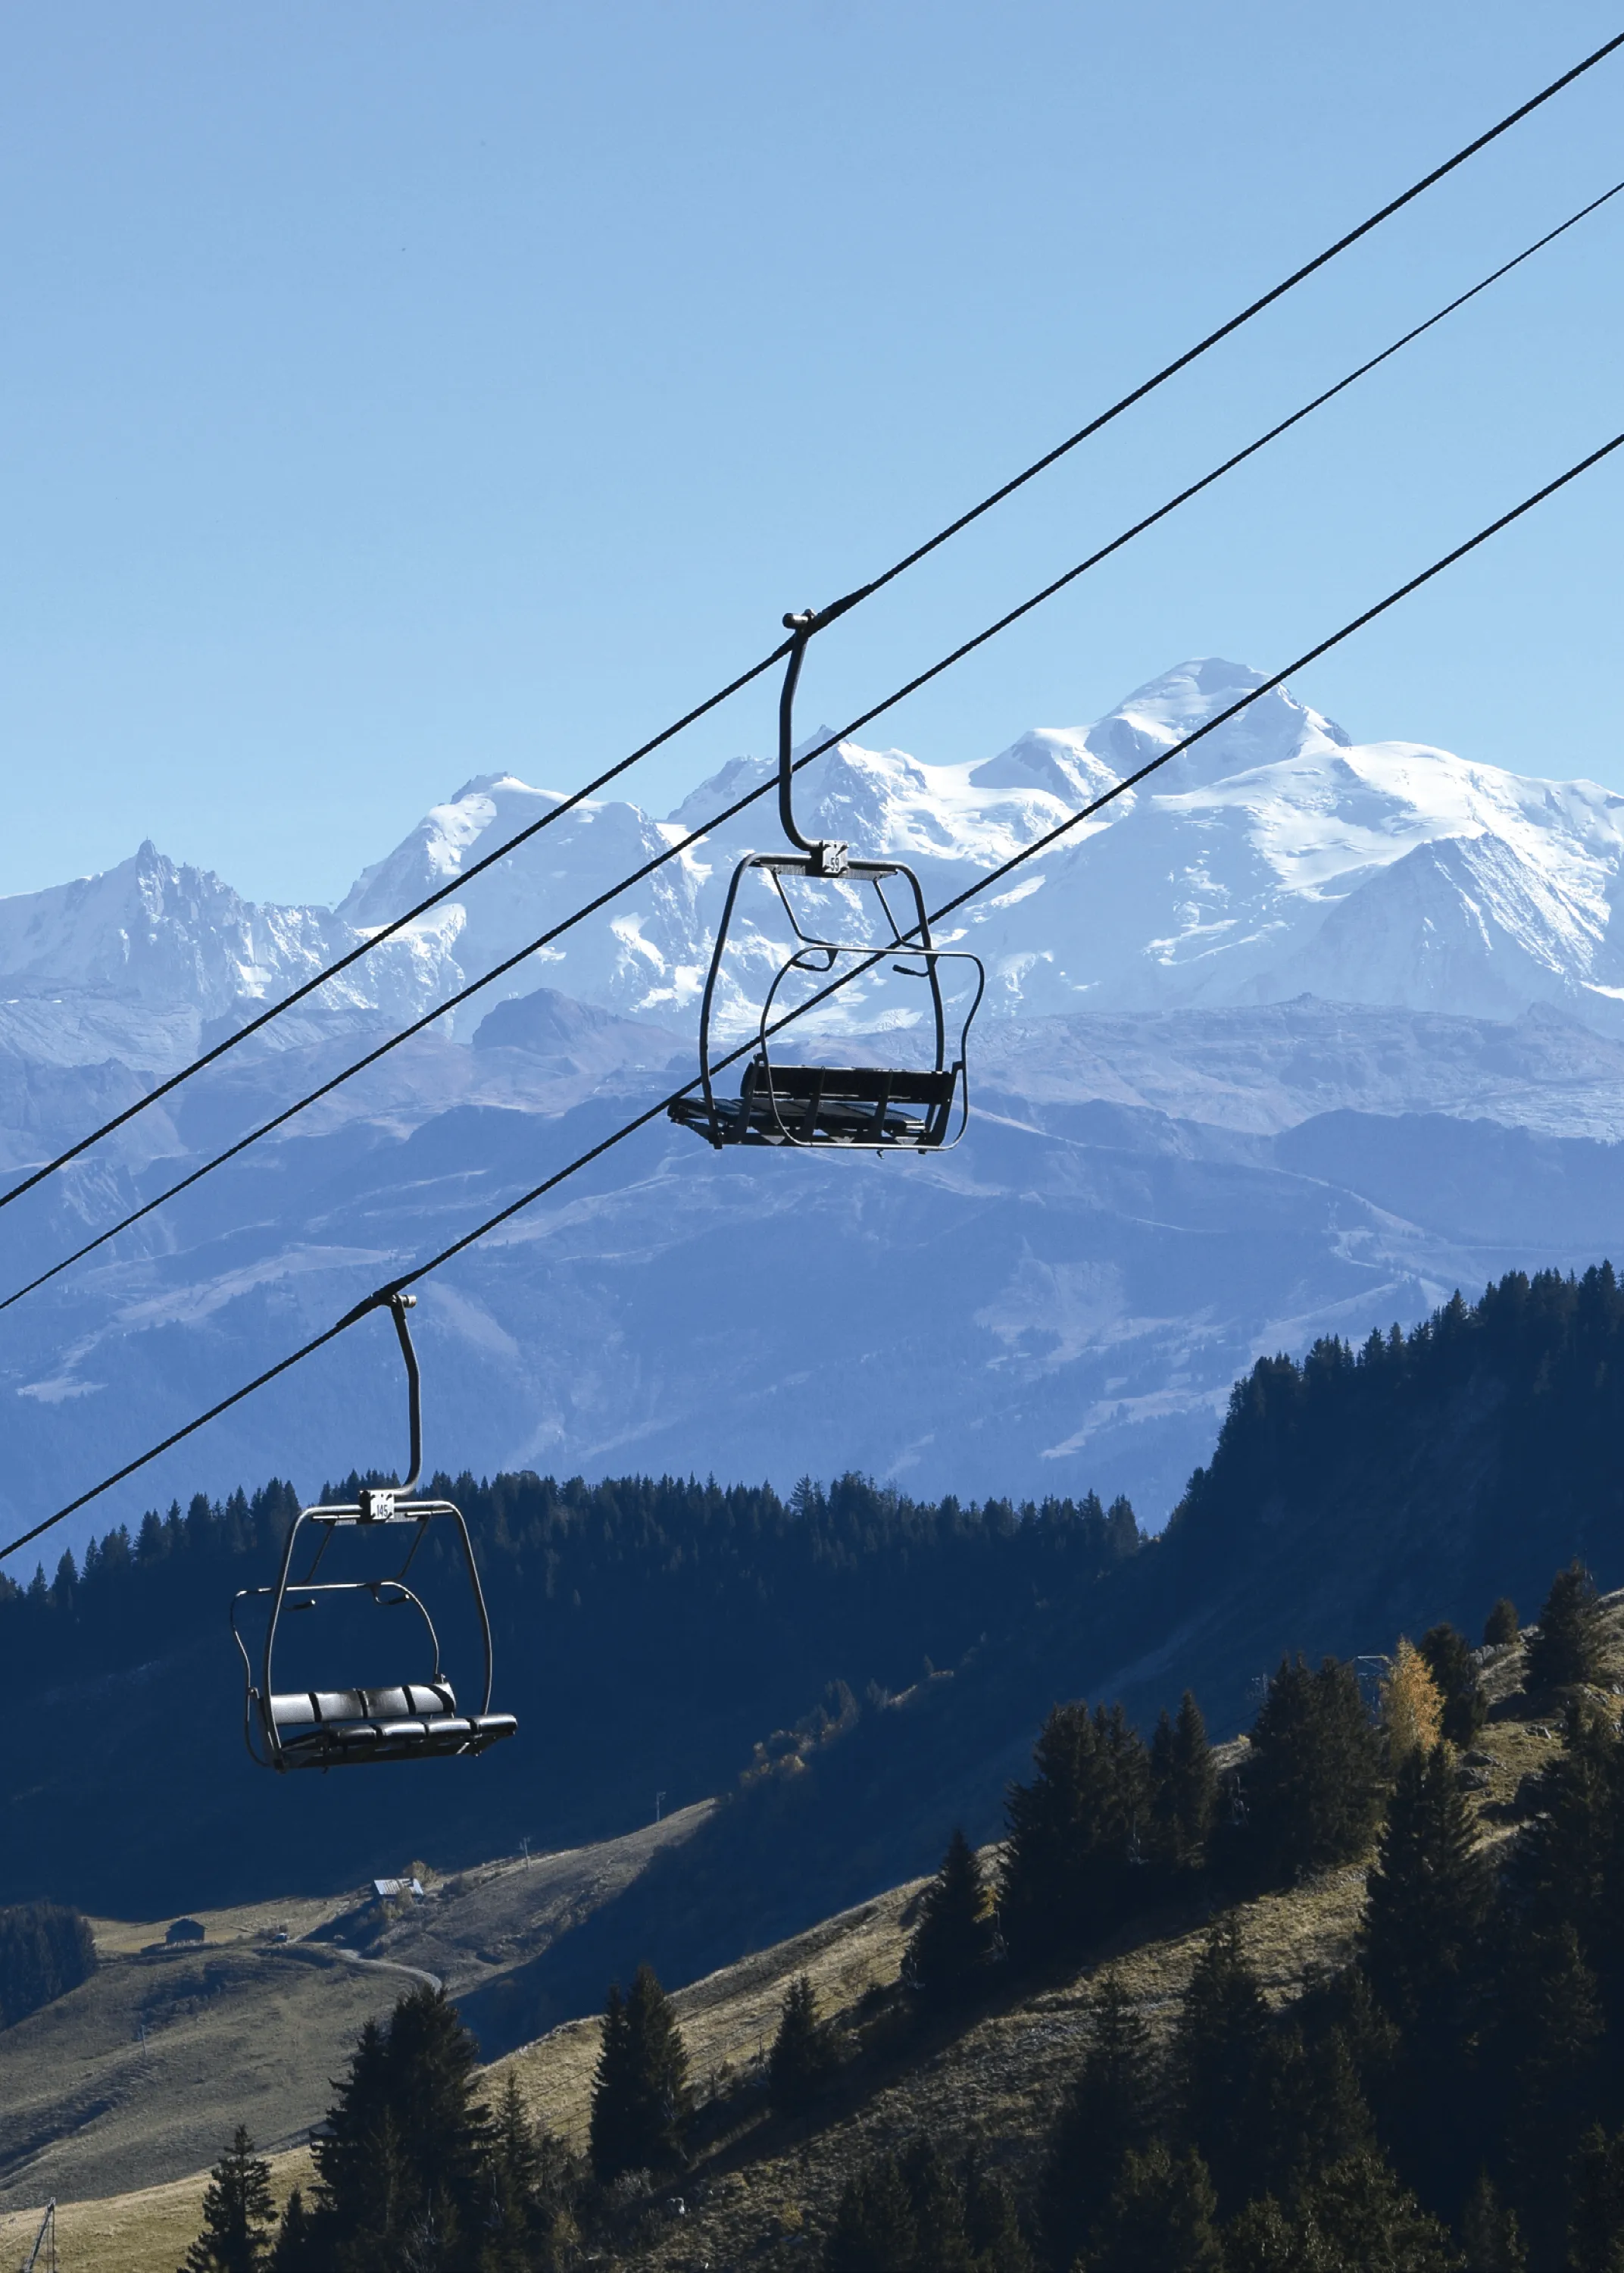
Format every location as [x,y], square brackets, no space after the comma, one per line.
[1166,710]
[1276,855]
[437,848]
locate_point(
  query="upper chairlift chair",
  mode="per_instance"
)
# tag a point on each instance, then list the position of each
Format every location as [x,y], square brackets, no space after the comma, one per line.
[415,1720]
[867,1108]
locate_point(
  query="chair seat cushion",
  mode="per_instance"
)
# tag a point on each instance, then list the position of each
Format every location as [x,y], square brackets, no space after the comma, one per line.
[329,1728]
[312,1708]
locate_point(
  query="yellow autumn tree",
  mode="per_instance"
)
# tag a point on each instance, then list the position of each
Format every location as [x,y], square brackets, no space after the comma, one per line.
[1412,1709]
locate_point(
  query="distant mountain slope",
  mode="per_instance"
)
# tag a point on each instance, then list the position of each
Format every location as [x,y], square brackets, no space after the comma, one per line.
[1354,1497]
[648,1634]
[1062,1302]
[1403,875]
[1059,1303]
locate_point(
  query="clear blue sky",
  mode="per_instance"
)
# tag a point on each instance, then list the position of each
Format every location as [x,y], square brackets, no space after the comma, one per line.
[398,392]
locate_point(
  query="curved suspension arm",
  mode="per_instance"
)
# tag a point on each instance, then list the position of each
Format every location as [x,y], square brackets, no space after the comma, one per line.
[400,1304]
[829,856]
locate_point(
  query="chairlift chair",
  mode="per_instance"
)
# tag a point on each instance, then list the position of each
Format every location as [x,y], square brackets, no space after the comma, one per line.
[867,1108]
[414,1719]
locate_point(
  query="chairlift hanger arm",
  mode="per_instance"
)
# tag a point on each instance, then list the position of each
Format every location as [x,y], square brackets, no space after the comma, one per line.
[827,855]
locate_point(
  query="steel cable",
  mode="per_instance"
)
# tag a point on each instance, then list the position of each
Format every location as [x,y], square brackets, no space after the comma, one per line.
[828,615]
[381,1295]
[638,876]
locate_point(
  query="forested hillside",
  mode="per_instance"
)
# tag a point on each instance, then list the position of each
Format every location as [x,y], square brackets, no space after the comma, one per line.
[1358,1495]
[652,1636]
[647,1634]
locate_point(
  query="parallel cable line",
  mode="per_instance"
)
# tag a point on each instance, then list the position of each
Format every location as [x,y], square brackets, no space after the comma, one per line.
[381,1295]
[826,616]
[557,931]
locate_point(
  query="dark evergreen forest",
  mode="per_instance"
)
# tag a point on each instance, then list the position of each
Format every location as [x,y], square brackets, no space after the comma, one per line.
[649,1634]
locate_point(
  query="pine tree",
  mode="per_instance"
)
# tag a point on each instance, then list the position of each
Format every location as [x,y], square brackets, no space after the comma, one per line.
[1455,1675]
[1043,1834]
[293,2253]
[1362,2216]
[1500,1625]
[1106,2112]
[1597,2219]
[1569,1867]
[1568,1647]
[1426,1906]
[238,2215]
[992,2224]
[1164,2213]
[1075,1834]
[528,2227]
[1411,1707]
[937,2202]
[1262,2239]
[1219,2051]
[403,2163]
[953,1944]
[641,2100]
[1184,1786]
[1551,2042]
[1312,2109]
[873,2229]
[801,2060]
[1489,2233]
[1313,1783]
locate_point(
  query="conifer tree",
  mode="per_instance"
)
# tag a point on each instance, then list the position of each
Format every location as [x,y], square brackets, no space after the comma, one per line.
[1427,1905]
[1313,1779]
[1568,1647]
[873,2229]
[1075,1834]
[1262,2239]
[1162,2213]
[294,2241]
[1500,1625]
[1455,1675]
[1219,2051]
[937,2202]
[992,2225]
[953,1944]
[1551,2044]
[1361,2216]
[238,2215]
[1042,1838]
[1107,2111]
[801,2062]
[640,2101]
[528,2225]
[1184,1785]
[1598,2217]
[1489,2232]
[1568,1866]
[403,2162]
[1411,1707]
[1312,2109]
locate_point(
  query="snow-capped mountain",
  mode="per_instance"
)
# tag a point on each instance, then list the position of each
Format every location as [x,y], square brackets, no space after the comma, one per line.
[1276,856]
[1290,1039]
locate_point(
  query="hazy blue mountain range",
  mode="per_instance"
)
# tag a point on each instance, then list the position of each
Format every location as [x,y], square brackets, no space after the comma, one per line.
[1296,1039]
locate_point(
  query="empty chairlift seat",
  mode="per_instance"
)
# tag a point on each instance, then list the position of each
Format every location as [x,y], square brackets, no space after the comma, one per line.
[410,1719]
[870,1109]
[873,1107]
[329,1727]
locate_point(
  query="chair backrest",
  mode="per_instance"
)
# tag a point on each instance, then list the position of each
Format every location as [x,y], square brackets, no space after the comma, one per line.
[863,1084]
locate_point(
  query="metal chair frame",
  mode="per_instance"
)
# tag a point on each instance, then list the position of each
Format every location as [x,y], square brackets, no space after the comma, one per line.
[376,1506]
[828,859]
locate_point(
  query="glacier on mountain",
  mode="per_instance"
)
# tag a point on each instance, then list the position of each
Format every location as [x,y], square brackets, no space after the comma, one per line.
[1292,1038]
